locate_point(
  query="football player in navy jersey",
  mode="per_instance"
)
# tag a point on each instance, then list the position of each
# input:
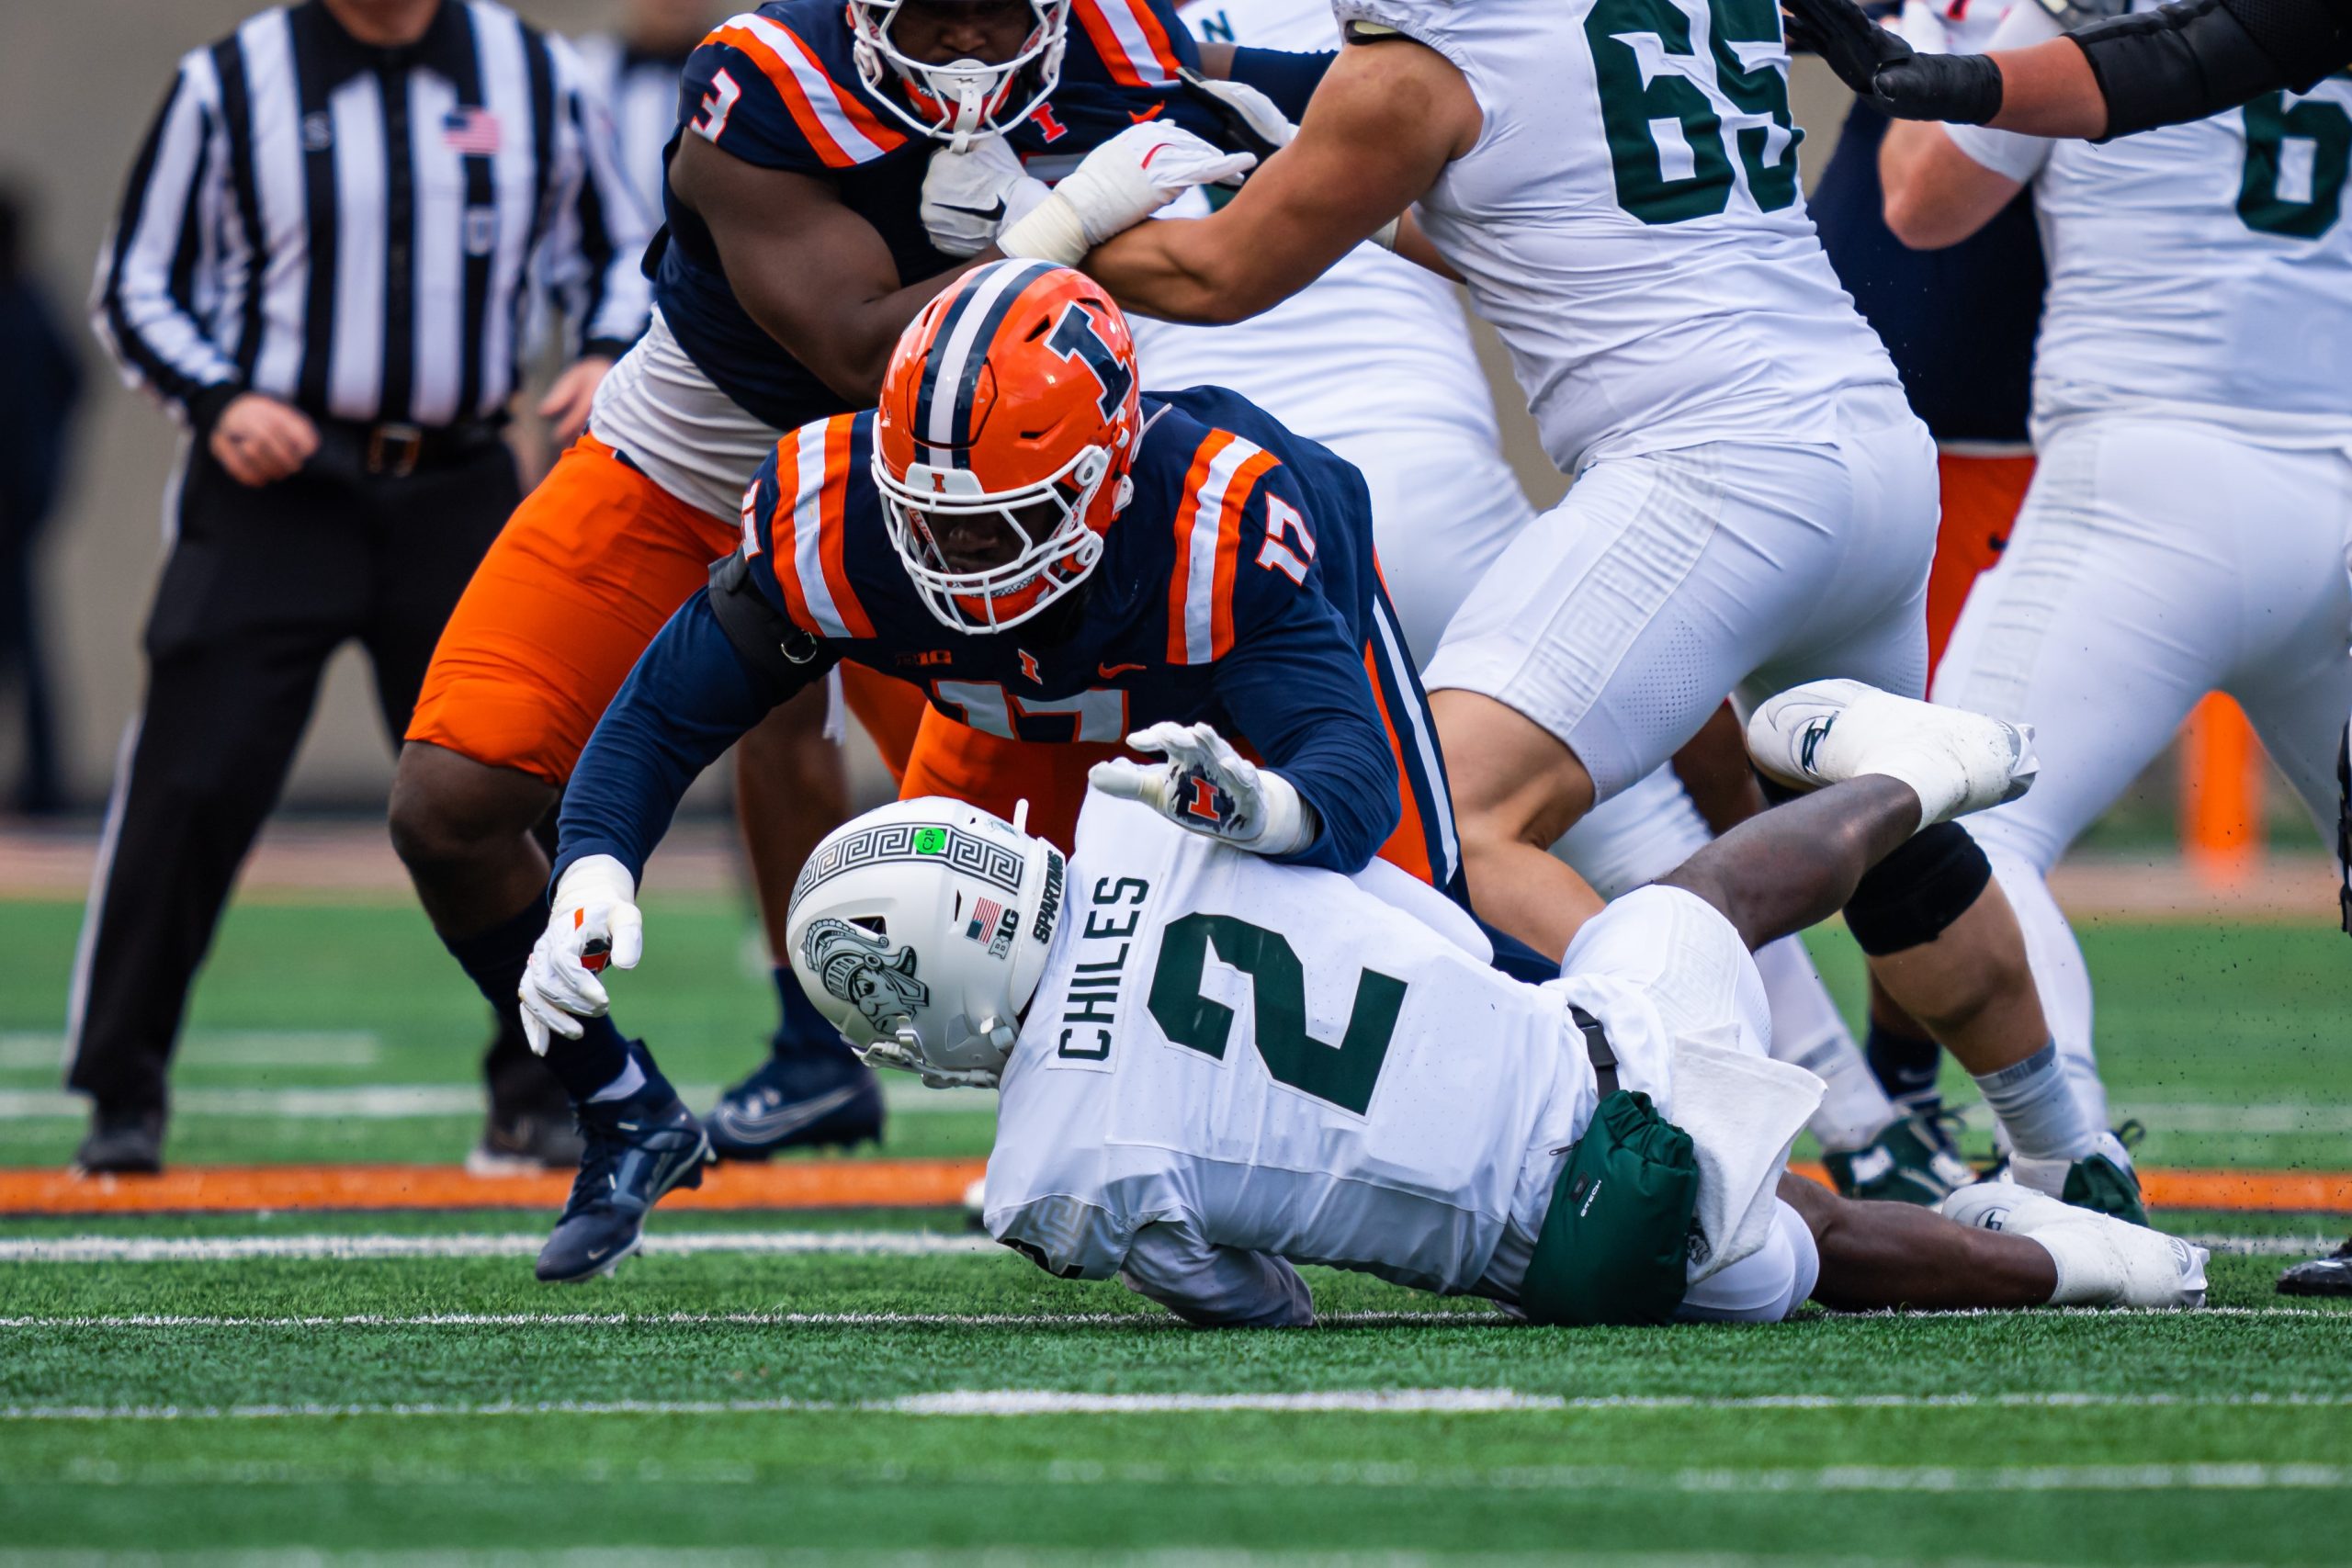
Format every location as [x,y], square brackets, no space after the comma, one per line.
[793,254]
[1043,551]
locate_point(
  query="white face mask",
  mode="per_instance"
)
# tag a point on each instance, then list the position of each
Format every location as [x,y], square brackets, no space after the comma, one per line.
[963,99]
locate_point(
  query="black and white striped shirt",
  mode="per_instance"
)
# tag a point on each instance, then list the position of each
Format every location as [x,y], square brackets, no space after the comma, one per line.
[361,232]
[641,90]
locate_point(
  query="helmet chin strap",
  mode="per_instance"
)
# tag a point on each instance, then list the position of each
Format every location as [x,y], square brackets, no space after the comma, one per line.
[971,108]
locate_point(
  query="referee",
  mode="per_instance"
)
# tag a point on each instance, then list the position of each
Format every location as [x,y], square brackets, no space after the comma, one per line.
[324,265]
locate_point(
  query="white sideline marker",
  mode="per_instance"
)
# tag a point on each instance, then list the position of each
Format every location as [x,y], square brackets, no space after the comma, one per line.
[393,1102]
[339,1249]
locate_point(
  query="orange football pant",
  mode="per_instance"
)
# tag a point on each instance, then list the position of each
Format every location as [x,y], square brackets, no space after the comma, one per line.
[583,575]
[1980,497]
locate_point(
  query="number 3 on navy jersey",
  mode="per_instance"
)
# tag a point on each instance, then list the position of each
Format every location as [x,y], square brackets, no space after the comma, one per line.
[1668,147]
[716,105]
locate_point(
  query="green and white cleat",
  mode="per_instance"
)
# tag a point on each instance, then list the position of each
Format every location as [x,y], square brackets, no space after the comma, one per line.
[2102,1182]
[1826,732]
[1905,1164]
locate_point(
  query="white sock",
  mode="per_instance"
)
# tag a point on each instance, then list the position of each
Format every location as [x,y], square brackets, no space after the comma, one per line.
[631,1079]
[2036,1104]
[2060,975]
[1808,1032]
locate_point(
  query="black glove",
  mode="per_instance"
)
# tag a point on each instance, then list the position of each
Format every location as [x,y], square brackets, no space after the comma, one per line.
[1964,89]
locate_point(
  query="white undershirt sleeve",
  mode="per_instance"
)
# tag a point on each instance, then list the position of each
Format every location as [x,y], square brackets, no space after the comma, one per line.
[2005,152]
[1215,1287]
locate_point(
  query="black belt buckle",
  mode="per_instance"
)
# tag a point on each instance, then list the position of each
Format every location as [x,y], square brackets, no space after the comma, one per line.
[394,449]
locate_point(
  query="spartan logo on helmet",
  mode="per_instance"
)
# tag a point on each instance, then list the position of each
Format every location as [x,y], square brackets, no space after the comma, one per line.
[854,965]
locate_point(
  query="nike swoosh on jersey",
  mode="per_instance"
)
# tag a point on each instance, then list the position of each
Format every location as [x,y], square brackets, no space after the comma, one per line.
[1112,671]
[1138,117]
[784,1118]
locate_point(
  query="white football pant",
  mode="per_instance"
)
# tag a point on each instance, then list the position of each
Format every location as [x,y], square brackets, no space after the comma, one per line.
[1620,618]
[2153,562]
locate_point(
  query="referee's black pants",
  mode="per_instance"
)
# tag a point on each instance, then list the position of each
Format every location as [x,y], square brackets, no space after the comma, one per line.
[262,586]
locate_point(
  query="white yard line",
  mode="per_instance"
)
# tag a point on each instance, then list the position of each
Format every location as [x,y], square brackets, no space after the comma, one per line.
[1139,1319]
[401,1102]
[527,1244]
[1048,1401]
[236,1249]
[2309,1245]
[24,1049]
[1431,1319]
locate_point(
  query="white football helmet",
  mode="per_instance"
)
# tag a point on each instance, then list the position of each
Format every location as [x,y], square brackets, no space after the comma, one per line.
[920,931]
[965,98]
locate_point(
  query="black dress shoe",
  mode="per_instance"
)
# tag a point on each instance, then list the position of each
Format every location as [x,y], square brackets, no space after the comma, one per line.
[122,1143]
[529,1128]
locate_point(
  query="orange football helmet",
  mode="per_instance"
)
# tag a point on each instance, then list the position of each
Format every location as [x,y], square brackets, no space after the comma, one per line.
[1009,421]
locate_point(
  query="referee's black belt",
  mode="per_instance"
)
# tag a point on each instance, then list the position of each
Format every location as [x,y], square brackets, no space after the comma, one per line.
[395,450]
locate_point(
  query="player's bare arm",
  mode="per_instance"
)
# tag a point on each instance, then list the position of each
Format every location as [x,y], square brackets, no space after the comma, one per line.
[1937,195]
[1387,121]
[815,275]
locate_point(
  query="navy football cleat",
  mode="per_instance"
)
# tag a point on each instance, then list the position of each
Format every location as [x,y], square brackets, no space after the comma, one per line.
[2328,1276]
[635,1152]
[804,1099]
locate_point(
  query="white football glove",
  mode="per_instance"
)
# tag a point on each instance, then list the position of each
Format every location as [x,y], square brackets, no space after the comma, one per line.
[596,922]
[1209,787]
[1253,108]
[1120,184]
[969,197]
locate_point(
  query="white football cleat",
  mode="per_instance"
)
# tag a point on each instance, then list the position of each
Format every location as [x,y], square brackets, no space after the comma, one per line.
[1826,732]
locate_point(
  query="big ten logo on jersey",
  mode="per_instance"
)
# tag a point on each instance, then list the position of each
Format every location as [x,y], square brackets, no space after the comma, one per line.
[1098,715]
[1089,1012]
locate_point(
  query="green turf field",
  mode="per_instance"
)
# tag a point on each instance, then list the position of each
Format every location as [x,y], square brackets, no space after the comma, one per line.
[886,1385]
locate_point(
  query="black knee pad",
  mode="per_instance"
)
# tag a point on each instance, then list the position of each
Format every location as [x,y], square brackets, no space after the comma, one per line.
[1914,894]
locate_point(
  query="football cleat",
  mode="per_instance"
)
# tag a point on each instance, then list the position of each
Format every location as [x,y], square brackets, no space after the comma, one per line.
[636,1152]
[2102,1182]
[800,1099]
[1905,1164]
[1826,732]
[2328,1276]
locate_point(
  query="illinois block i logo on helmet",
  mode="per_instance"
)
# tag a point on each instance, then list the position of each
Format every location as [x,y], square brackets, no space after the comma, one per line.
[1008,408]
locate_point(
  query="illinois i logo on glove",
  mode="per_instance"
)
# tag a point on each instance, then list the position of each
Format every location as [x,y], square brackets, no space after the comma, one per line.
[1208,787]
